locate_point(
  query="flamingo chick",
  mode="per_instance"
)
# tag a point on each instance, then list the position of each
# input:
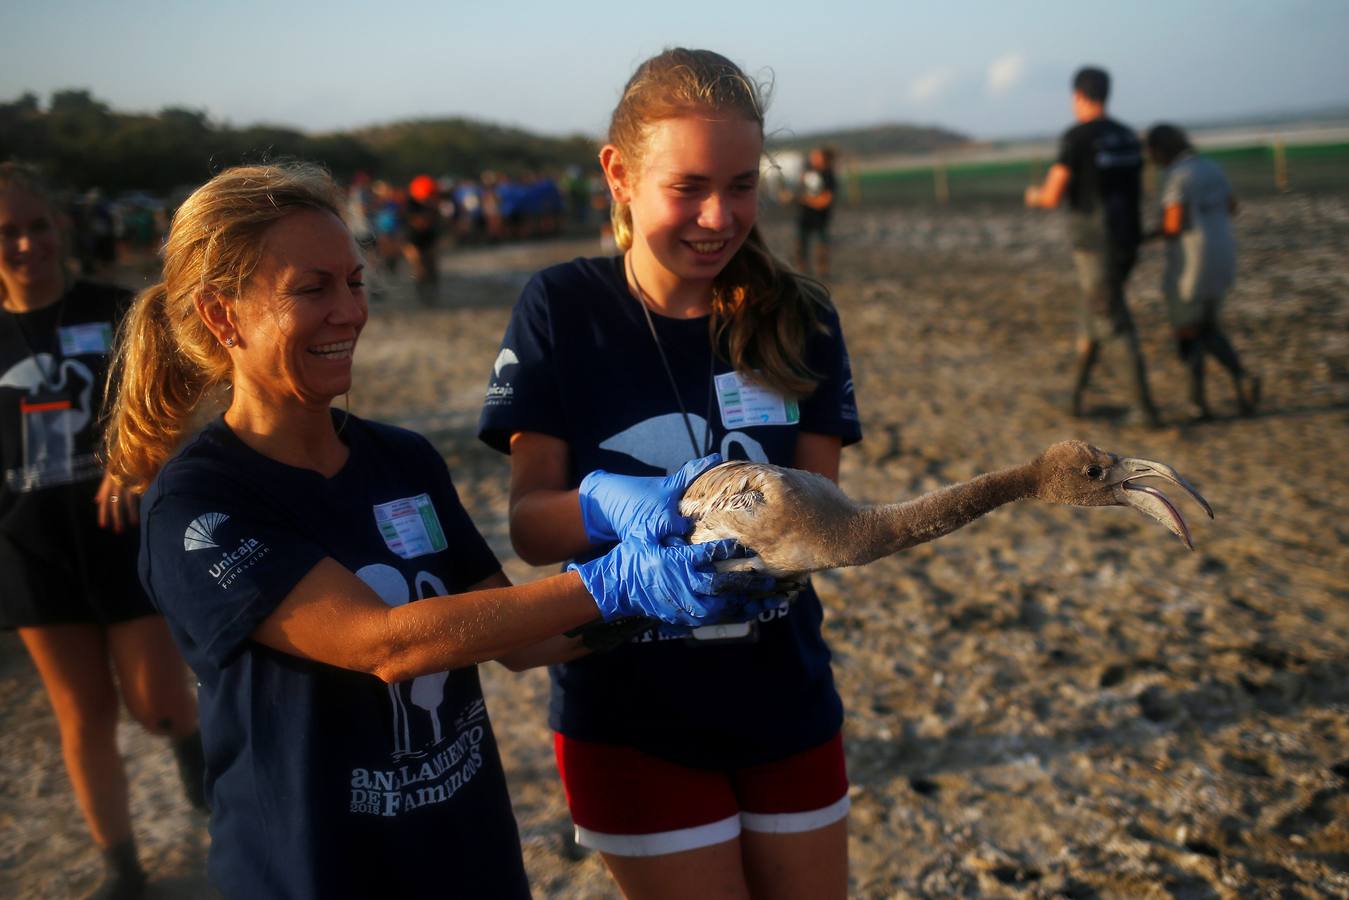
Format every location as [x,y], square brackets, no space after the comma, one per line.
[799,522]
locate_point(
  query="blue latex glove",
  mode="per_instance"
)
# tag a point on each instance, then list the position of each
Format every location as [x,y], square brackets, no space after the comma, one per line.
[676,584]
[614,507]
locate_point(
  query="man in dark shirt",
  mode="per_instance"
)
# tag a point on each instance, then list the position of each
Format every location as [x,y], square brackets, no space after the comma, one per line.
[1099,171]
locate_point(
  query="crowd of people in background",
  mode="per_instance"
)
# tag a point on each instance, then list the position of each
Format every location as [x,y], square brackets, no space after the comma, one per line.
[486,209]
[105,229]
[402,224]
[398,220]
[411,222]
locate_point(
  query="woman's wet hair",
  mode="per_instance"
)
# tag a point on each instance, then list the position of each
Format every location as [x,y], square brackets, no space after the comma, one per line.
[166,361]
[762,312]
[1166,143]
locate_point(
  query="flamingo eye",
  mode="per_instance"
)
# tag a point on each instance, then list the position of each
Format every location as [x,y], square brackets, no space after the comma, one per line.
[1094,471]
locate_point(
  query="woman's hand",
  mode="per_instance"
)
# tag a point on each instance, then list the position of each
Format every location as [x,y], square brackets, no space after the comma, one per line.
[118,509]
[676,584]
[615,507]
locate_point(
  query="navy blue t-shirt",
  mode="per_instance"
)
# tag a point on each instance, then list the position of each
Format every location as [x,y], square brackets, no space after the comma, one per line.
[58,566]
[53,378]
[578,362]
[1105,165]
[326,782]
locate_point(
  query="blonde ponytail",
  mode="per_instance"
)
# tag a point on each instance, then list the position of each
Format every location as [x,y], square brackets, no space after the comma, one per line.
[166,361]
[159,390]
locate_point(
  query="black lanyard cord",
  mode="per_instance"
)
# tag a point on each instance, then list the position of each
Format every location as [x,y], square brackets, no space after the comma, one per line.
[669,372]
[48,378]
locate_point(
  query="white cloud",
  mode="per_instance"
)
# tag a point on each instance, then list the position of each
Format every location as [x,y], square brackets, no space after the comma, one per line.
[931,85]
[1005,73]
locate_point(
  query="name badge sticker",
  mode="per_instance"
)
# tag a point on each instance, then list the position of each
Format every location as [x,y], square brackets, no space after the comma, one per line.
[87,337]
[746,404]
[410,526]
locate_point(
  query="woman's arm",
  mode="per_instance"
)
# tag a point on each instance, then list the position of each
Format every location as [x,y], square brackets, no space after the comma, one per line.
[333,617]
[556,649]
[545,515]
[1173,220]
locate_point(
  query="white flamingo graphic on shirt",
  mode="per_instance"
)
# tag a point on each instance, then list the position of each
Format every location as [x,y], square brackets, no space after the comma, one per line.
[428,691]
[663,441]
[50,444]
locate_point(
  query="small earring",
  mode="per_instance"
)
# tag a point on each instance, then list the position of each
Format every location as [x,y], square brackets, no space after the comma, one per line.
[229,342]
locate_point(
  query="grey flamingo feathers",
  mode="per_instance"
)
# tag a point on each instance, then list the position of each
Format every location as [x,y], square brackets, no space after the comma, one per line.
[798,522]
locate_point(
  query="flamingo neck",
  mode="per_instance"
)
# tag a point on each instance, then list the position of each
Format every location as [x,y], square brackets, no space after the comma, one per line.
[889,528]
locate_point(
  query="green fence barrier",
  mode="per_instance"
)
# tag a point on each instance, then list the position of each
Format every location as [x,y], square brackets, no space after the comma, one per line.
[1253,171]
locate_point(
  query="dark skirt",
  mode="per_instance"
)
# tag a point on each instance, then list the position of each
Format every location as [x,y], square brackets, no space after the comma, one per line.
[89,576]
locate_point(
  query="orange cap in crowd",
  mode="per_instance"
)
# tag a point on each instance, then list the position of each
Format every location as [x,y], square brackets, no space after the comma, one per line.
[423,187]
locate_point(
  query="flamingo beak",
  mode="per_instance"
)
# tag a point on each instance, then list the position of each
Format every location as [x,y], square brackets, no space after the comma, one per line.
[1125,476]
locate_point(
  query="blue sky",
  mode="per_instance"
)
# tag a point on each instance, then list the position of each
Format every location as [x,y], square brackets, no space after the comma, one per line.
[988,68]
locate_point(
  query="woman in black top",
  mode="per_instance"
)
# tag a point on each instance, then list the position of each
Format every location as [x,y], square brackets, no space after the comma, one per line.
[67,534]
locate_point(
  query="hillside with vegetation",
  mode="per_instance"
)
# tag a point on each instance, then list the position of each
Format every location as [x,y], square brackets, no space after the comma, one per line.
[872,141]
[82,142]
[466,147]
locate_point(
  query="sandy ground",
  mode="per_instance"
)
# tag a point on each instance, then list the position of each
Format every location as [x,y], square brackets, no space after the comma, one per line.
[1052,702]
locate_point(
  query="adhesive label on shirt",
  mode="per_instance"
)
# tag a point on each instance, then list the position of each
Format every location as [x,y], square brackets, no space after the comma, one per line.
[746,404]
[732,631]
[410,526]
[87,337]
[49,422]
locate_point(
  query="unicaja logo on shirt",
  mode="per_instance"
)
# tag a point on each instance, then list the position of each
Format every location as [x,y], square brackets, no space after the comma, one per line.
[200,534]
[499,393]
[505,358]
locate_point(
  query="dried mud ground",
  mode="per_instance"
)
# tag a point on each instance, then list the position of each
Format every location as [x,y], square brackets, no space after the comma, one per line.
[1051,702]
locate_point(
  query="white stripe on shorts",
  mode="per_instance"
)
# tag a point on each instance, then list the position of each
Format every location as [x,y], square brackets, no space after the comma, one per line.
[792,823]
[661,842]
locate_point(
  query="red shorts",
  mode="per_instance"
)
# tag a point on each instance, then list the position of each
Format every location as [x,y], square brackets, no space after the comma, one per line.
[629,803]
